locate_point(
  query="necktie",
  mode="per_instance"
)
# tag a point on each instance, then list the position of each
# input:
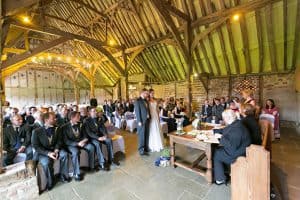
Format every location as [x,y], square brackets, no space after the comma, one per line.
[18,142]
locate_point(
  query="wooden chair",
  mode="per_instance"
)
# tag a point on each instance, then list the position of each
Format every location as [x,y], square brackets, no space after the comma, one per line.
[266,129]
[250,175]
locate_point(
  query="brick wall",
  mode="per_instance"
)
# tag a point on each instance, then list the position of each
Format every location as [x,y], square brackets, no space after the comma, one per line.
[279,87]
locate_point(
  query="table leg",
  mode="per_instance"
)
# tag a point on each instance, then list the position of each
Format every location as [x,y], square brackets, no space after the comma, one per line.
[172,146]
[209,164]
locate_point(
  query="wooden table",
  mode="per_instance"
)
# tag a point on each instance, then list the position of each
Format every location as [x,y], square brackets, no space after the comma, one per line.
[190,141]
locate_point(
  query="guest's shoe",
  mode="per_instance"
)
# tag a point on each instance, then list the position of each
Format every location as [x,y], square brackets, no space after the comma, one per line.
[114,163]
[102,167]
[77,177]
[65,179]
[144,154]
[220,182]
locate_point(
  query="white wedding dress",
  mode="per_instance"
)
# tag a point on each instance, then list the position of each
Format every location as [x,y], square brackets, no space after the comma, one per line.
[155,131]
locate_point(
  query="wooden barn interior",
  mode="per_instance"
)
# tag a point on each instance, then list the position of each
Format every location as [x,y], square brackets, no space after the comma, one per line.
[70,51]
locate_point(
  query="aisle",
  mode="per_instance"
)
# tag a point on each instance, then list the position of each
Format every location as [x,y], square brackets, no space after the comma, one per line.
[138,178]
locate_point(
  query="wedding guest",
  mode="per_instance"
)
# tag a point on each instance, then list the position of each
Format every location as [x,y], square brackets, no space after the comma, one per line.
[217,110]
[206,111]
[235,139]
[248,119]
[271,109]
[16,140]
[48,146]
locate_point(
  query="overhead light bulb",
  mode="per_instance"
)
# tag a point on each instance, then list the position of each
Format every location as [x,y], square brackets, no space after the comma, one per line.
[195,74]
[26,19]
[236,17]
[111,42]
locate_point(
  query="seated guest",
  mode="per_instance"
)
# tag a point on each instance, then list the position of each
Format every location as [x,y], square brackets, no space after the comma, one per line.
[171,104]
[27,117]
[236,100]
[83,114]
[217,110]
[45,141]
[16,140]
[108,111]
[235,139]
[75,140]
[206,111]
[248,114]
[92,129]
[223,102]
[62,117]
[38,120]
[227,101]
[6,120]
[131,105]
[271,109]
[178,109]
[233,106]
[164,113]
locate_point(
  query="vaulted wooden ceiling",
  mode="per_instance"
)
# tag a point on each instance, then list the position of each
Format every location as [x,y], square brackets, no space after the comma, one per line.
[167,39]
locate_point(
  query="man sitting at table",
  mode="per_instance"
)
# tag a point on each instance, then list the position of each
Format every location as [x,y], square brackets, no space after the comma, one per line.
[235,139]
[206,111]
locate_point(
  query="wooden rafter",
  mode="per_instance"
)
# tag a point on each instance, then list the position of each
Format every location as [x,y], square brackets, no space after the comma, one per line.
[270,33]
[207,31]
[171,26]
[242,8]
[19,58]
[231,43]
[285,22]
[94,43]
[4,31]
[297,35]
[13,7]
[59,19]
[80,2]
[259,38]
[245,39]
[174,11]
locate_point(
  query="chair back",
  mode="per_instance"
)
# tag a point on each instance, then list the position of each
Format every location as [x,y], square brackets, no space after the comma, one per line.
[266,130]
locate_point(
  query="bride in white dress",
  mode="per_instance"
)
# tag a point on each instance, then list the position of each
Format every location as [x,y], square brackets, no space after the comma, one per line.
[155,132]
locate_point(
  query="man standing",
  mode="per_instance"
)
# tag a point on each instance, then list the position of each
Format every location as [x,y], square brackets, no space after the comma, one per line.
[142,113]
[46,142]
[76,140]
[16,140]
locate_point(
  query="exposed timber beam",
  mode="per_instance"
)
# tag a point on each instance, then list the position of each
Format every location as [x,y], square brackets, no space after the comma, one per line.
[94,43]
[242,8]
[5,24]
[59,19]
[171,26]
[231,43]
[260,40]
[285,27]
[19,58]
[174,11]
[297,35]
[11,7]
[80,2]
[245,39]
[270,33]
[205,33]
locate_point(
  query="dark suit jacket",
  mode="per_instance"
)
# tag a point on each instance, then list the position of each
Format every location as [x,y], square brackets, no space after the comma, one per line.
[69,137]
[253,128]
[235,139]
[141,108]
[217,111]
[41,143]
[11,137]
[93,128]
[61,121]
[208,110]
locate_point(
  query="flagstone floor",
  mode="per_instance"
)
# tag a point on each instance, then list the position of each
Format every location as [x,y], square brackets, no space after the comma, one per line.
[138,178]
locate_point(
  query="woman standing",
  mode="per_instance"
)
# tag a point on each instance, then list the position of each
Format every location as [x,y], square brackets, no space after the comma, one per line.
[271,109]
[155,133]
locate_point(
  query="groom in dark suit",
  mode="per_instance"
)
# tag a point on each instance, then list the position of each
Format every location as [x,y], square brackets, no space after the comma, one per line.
[142,113]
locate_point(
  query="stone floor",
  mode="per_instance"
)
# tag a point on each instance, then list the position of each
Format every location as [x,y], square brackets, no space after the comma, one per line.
[138,178]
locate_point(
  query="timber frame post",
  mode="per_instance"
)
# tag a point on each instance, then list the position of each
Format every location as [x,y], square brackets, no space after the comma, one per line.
[92,87]
[125,59]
